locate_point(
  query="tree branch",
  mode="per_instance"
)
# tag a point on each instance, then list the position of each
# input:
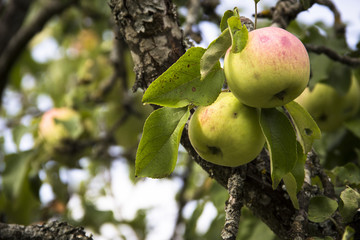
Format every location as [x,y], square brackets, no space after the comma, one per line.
[19,41]
[339,26]
[234,204]
[51,230]
[333,55]
[151,30]
[286,11]
[12,19]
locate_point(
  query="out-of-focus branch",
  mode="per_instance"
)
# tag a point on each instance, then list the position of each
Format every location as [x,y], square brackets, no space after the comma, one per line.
[51,230]
[12,19]
[182,200]
[339,26]
[286,11]
[333,55]
[19,41]
[191,19]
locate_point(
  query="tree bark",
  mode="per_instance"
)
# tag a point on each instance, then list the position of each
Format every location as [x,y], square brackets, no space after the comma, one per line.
[48,231]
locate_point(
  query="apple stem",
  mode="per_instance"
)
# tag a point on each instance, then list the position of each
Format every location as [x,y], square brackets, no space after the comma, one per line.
[255,14]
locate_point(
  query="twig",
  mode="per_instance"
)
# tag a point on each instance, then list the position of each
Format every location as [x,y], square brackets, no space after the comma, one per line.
[234,204]
[333,55]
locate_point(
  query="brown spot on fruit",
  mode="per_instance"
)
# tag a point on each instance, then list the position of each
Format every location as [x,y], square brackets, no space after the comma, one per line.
[215,150]
[193,89]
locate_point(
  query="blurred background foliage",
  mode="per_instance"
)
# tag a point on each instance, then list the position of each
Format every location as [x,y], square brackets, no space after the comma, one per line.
[77,61]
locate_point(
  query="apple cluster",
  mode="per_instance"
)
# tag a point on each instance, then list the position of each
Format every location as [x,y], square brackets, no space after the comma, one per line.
[270,71]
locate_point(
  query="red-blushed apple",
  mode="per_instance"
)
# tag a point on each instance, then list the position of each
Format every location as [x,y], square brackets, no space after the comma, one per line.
[226,132]
[328,107]
[272,69]
[52,128]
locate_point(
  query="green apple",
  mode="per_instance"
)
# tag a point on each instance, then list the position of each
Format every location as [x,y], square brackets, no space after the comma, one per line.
[272,69]
[59,124]
[226,132]
[329,108]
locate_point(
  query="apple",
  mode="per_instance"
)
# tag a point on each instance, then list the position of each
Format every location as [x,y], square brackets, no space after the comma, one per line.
[329,108]
[52,126]
[272,69]
[226,132]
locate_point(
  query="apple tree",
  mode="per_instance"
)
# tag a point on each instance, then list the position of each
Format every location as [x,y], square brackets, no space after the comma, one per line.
[263,123]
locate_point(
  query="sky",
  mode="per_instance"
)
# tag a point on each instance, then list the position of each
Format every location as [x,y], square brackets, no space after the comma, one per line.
[126,195]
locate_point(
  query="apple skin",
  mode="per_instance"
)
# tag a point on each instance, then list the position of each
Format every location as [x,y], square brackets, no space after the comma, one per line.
[54,133]
[272,70]
[328,108]
[227,132]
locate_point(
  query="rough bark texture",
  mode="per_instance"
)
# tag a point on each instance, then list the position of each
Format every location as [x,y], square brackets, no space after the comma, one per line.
[151,28]
[48,231]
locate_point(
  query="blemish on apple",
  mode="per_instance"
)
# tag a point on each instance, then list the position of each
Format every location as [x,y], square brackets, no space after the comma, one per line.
[215,150]
[285,42]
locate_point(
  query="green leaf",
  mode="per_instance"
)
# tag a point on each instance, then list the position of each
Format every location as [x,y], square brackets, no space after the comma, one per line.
[291,188]
[305,125]
[239,34]
[281,141]
[320,63]
[180,85]
[321,208]
[16,172]
[72,125]
[223,23]
[299,169]
[351,202]
[213,53]
[347,174]
[336,71]
[18,133]
[349,233]
[295,179]
[158,148]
